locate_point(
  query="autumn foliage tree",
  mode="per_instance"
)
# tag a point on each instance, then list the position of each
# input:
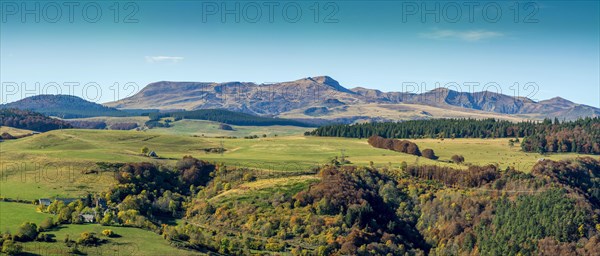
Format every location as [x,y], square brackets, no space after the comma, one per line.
[428,153]
[403,146]
[24,119]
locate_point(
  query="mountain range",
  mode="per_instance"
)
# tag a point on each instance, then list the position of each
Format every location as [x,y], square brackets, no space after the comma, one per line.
[323,98]
[316,100]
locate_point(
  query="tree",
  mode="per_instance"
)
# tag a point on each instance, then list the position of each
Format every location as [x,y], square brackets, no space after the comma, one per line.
[108,233]
[413,150]
[46,224]
[145,150]
[27,232]
[11,248]
[428,153]
[108,219]
[88,239]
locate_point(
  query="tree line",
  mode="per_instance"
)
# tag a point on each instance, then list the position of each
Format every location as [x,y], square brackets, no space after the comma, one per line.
[580,136]
[29,120]
[403,146]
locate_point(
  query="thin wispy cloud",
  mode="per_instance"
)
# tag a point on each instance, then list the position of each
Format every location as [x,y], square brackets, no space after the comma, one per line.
[163,59]
[469,35]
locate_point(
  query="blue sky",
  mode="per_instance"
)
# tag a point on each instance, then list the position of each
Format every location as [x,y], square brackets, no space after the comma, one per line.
[548,49]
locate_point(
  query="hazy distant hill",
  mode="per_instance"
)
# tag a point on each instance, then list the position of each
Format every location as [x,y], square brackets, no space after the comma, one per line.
[64,106]
[323,98]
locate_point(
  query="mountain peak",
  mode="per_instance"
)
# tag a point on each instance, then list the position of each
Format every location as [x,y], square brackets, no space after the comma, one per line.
[325,80]
[442,90]
[329,82]
[559,99]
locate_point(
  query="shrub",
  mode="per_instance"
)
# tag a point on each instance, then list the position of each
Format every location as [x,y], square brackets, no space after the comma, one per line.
[11,248]
[458,159]
[108,233]
[46,224]
[428,153]
[27,232]
[88,239]
[44,238]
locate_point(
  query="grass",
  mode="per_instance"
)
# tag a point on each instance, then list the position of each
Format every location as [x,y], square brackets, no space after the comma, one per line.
[265,188]
[211,129]
[12,215]
[131,241]
[52,164]
[14,131]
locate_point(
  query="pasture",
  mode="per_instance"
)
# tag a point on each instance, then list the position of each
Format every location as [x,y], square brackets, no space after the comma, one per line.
[12,215]
[129,241]
[54,163]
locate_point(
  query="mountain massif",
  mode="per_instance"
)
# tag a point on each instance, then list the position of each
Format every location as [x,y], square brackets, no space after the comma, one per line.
[323,98]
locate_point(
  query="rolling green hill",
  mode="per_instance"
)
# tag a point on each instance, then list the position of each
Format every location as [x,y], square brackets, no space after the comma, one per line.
[64,106]
[51,164]
[268,179]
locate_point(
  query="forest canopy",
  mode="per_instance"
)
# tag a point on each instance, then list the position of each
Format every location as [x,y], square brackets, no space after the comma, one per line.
[580,136]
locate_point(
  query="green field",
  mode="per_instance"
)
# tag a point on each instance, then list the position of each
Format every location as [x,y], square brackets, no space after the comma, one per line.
[12,215]
[14,131]
[51,164]
[132,241]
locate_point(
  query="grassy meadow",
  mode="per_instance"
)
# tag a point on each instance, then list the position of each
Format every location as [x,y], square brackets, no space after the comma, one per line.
[14,131]
[13,214]
[52,164]
[129,241]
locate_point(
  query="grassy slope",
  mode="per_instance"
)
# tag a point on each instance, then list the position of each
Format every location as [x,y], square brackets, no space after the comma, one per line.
[133,241]
[265,188]
[12,215]
[50,164]
[14,131]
